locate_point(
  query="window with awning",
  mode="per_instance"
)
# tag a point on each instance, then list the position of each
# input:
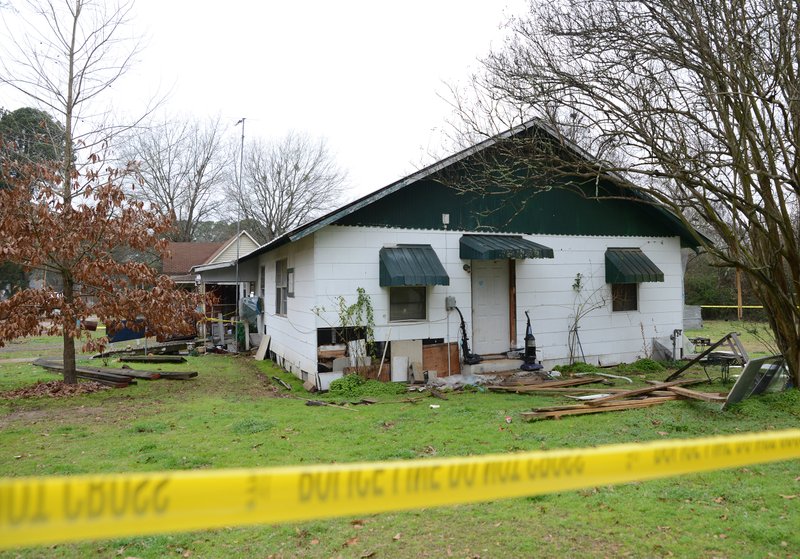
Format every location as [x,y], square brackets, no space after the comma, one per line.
[630,265]
[501,247]
[411,265]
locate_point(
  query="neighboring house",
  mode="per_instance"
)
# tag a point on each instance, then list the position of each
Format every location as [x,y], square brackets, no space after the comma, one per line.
[614,263]
[184,257]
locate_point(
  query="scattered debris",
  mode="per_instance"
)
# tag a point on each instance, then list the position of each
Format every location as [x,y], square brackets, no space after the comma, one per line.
[736,356]
[282,383]
[454,382]
[616,400]
[580,409]
[310,402]
[642,391]
[160,349]
[522,385]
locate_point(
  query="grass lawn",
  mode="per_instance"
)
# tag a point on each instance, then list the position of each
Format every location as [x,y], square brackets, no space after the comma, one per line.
[232,415]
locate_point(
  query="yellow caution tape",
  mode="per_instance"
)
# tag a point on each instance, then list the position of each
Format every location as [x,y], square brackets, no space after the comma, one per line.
[47,510]
[731,306]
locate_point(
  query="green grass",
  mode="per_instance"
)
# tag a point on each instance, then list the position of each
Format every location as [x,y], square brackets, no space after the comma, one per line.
[233,415]
[756,336]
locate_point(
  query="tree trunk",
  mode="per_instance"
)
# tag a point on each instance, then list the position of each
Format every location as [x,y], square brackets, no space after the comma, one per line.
[70,374]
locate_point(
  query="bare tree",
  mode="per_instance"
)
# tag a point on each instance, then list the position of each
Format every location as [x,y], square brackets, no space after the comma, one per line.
[698,101]
[182,165]
[287,183]
[64,55]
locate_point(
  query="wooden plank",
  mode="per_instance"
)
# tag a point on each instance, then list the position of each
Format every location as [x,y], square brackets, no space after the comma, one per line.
[152,359]
[568,390]
[642,391]
[126,373]
[705,396]
[620,406]
[610,404]
[57,365]
[263,348]
[550,384]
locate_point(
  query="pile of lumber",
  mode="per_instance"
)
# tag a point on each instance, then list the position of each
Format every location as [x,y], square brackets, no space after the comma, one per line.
[616,400]
[167,348]
[117,378]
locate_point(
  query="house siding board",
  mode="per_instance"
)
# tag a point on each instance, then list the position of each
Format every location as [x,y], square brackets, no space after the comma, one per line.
[294,337]
[545,288]
[538,211]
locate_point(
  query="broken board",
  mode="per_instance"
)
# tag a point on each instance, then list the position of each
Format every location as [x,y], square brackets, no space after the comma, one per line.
[263,348]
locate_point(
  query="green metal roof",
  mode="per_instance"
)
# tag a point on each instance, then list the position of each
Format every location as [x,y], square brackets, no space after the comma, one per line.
[630,265]
[499,247]
[411,265]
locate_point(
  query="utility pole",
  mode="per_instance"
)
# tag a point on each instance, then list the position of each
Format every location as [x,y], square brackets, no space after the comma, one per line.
[238,237]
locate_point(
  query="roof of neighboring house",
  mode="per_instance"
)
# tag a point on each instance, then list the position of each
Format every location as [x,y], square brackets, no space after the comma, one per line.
[185,255]
[349,213]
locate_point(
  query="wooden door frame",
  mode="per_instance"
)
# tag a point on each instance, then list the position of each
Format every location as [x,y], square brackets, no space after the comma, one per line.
[512,303]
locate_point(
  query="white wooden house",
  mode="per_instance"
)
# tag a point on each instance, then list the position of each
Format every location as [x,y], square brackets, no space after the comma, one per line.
[614,263]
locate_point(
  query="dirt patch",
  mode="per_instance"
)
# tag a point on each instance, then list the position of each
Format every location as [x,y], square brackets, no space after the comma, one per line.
[53,389]
[52,415]
[14,347]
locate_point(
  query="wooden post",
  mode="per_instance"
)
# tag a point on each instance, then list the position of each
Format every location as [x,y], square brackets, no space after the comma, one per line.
[739,294]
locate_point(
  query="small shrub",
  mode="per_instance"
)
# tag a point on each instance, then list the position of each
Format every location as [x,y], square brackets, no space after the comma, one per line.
[577,367]
[641,366]
[354,386]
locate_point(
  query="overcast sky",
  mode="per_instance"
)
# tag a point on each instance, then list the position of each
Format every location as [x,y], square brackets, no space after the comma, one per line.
[366,75]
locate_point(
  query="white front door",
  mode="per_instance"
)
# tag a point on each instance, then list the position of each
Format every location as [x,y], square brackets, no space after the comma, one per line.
[490,329]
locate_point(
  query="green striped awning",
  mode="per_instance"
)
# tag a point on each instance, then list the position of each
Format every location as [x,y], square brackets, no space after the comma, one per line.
[500,247]
[630,265]
[411,265]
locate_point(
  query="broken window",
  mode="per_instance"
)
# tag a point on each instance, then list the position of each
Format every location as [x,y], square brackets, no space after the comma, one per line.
[281,287]
[624,297]
[408,303]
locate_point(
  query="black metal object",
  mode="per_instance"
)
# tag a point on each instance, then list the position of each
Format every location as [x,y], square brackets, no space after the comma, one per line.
[530,349]
[737,355]
[469,358]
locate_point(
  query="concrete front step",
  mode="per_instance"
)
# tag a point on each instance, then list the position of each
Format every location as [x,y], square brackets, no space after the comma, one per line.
[490,366]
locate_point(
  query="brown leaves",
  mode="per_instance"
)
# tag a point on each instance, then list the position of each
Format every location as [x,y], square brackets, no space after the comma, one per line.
[53,389]
[101,246]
